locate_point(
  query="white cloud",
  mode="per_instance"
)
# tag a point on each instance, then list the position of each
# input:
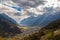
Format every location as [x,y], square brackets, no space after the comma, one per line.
[33,7]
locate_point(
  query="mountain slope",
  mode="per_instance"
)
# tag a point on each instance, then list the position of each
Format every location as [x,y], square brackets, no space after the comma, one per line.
[50,32]
[8,27]
[7,18]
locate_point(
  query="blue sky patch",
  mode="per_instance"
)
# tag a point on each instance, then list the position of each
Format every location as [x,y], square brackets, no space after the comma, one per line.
[17,8]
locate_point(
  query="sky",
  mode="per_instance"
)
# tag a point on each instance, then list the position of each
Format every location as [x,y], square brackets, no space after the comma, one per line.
[20,10]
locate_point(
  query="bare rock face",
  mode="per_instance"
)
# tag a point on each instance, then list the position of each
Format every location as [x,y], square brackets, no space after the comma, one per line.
[8,27]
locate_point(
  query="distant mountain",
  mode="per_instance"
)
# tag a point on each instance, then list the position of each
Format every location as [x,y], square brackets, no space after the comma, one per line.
[7,18]
[41,20]
[8,27]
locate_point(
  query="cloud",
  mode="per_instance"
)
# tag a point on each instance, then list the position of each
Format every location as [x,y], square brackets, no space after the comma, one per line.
[29,3]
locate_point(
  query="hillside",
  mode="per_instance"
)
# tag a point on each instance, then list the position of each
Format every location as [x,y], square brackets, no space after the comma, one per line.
[10,31]
[50,32]
[8,27]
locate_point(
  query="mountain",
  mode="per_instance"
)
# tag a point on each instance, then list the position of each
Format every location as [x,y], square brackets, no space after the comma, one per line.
[49,32]
[8,27]
[7,18]
[41,20]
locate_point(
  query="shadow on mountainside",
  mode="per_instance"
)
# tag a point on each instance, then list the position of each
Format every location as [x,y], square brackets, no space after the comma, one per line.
[7,27]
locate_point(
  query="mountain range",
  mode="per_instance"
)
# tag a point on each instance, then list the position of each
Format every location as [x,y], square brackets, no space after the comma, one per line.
[41,20]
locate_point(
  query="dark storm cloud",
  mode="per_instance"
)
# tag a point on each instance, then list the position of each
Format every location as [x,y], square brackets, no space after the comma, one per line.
[29,3]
